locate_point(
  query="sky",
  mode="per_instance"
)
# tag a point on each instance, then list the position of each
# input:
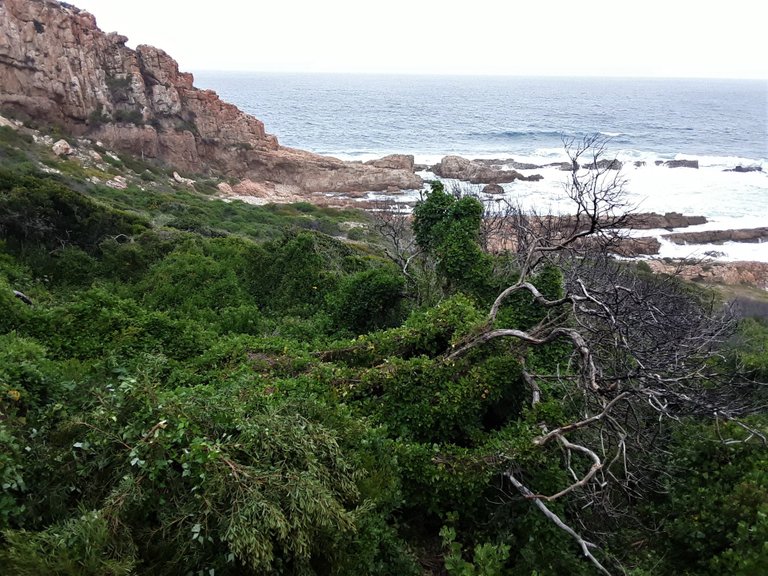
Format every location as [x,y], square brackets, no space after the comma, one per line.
[637,38]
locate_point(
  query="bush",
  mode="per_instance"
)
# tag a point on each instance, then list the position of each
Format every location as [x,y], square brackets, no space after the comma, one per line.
[368,300]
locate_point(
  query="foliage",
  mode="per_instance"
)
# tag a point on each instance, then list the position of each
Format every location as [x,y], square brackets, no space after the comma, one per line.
[217,388]
[449,229]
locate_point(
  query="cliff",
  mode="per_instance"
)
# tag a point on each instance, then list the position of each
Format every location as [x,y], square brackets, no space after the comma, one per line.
[57,67]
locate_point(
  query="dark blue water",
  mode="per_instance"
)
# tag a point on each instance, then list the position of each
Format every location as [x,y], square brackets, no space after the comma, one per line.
[353,115]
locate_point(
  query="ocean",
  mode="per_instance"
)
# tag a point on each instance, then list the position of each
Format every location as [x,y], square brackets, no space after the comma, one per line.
[721,123]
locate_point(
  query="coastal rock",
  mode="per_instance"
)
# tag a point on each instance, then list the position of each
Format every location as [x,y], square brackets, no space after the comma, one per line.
[632,247]
[682,164]
[751,235]
[564,166]
[492,189]
[728,273]
[502,163]
[475,172]
[604,164]
[668,220]
[744,169]
[58,68]
[394,162]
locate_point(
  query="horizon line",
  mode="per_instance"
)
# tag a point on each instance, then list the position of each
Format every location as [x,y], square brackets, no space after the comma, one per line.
[474,74]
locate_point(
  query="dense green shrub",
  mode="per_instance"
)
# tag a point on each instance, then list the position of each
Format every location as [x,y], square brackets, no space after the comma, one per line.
[39,211]
[449,229]
[368,300]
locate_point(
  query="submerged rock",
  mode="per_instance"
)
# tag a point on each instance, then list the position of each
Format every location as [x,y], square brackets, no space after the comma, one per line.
[744,169]
[682,164]
[492,189]
[752,235]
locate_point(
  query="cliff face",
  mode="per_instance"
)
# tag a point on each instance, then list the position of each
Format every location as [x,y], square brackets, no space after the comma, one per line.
[57,67]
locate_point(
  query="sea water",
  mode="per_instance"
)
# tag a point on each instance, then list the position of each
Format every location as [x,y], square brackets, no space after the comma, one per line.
[721,123]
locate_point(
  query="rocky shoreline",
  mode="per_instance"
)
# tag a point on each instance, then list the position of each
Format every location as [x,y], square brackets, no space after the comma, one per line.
[57,68]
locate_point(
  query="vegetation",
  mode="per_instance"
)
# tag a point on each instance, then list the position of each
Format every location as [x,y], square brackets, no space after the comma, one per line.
[189,386]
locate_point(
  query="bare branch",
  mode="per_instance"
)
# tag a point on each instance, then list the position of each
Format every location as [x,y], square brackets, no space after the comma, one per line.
[583,544]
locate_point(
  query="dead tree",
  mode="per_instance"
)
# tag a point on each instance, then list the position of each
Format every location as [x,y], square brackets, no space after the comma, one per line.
[641,345]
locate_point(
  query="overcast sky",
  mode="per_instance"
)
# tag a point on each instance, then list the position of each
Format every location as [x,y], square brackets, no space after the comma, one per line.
[677,38]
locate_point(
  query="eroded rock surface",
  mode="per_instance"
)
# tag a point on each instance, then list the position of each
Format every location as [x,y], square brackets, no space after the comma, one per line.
[57,67]
[477,172]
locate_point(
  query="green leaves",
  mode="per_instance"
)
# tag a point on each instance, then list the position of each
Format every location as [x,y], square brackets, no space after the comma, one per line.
[449,229]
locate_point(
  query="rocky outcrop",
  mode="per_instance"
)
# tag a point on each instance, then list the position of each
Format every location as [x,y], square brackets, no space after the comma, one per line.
[492,189]
[728,273]
[753,235]
[632,247]
[668,220]
[394,162]
[57,67]
[477,172]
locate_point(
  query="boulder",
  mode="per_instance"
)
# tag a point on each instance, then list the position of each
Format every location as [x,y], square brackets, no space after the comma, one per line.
[181,180]
[62,148]
[394,162]
[492,189]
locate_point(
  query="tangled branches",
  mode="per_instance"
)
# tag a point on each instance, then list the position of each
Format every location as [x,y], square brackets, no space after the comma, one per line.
[642,346]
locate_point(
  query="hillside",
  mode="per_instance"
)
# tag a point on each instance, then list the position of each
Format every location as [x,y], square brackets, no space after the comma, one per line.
[188,384]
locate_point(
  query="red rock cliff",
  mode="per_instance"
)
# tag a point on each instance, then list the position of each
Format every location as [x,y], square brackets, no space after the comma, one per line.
[57,67]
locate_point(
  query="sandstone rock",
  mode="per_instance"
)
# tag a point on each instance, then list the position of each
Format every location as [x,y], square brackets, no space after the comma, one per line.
[492,189]
[682,164]
[669,220]
[137,101]
[118,183]
[728,273]
[7,123]
[394,162]
[62,148]
[250,188]
[631,247]
[181,180]
[475,172]
[225,189]
[751,235]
